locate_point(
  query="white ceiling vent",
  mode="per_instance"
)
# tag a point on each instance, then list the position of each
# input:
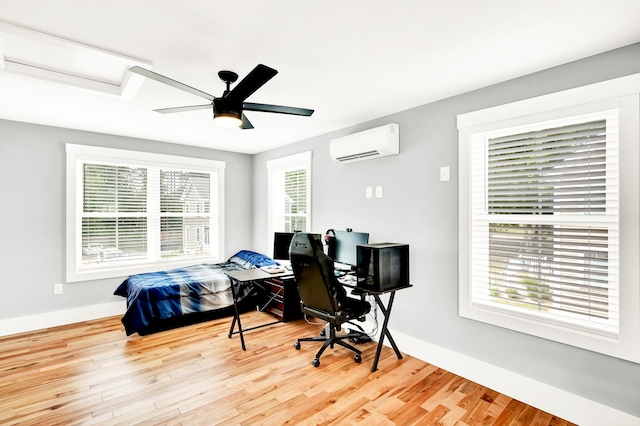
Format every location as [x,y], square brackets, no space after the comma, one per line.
[373,143]
[31,53]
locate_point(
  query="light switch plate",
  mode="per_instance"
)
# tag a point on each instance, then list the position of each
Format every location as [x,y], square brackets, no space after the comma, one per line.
[378,191]
[369,192]
[445,174]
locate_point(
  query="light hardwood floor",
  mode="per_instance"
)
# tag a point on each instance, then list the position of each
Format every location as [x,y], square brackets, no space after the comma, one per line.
[92,373]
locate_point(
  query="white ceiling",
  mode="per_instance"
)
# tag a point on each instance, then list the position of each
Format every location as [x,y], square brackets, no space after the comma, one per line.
[350,60]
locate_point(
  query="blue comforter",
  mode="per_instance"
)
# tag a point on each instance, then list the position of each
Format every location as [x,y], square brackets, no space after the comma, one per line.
[155,296]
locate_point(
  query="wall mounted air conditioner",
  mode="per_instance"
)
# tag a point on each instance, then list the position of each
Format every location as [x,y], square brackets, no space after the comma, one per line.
[373,143]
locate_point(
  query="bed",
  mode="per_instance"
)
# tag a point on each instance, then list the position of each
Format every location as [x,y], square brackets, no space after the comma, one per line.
[166,299]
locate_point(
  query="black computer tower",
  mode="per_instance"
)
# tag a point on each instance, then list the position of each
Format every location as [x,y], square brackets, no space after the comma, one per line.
[382,266]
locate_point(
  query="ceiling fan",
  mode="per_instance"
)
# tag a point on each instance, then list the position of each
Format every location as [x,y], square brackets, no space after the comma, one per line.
[228,110]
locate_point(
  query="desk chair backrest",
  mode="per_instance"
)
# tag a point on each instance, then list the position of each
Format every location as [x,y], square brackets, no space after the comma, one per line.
[314,272]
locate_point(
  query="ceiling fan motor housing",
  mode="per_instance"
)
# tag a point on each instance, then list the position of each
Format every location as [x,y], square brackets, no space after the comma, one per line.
[222,107]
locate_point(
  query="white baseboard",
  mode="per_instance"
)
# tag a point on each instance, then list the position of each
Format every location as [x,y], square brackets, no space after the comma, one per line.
[53,319]
[566,405]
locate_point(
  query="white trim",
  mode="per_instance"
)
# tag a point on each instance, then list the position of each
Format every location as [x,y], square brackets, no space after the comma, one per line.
[140,157]
[567,98]
[112,77]
[566,405]
[56,318]
[285,161]
[282,165]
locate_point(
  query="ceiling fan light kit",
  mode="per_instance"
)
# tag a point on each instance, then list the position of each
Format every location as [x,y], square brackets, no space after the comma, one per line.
[228,109]
[225,113]
[227,119]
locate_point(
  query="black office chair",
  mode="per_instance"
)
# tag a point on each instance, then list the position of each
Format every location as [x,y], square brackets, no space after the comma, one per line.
[322,296]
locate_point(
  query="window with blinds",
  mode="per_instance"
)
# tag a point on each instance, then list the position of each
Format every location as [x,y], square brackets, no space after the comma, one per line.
[544,223]
[295,200]
[549,201]
[289,194]
[114,213]
[132,212]
[185,212]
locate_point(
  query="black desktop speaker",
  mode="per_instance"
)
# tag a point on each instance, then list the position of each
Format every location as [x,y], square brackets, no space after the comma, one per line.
[383,266]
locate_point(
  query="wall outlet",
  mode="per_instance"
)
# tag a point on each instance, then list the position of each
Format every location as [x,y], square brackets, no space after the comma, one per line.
[58,289]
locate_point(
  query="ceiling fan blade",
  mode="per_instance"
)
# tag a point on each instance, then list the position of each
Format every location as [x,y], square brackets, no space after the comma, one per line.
[252,82]
[246,124]
[182,109]
[248,106]
[170,82]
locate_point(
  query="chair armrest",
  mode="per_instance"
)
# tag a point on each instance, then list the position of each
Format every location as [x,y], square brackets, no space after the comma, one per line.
[357,291]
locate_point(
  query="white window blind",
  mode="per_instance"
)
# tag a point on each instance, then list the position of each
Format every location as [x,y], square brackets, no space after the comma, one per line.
[131,212]
[545,223]
[114,212]
[294,200]
[289,194]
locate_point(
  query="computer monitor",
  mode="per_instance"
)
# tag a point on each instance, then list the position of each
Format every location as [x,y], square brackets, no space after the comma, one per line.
[346,243]
[281,243]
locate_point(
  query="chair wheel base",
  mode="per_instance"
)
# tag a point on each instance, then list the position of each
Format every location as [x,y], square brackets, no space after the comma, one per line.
[297,345]
[357,358]
[315,362]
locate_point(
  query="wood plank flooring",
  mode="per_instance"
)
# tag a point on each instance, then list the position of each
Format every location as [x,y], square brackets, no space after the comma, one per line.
[91,373]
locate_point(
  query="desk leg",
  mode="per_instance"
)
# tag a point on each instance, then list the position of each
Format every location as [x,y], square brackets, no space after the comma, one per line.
[385,331]
[236,316]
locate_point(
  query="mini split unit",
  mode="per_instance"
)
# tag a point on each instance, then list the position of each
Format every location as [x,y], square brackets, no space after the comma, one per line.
[373,143]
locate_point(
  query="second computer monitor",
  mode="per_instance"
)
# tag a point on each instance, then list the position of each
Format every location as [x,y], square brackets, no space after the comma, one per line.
[281,243]
[346,243]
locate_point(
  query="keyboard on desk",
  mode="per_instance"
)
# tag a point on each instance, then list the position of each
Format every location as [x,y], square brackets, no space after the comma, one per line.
[348,280]
[272,269]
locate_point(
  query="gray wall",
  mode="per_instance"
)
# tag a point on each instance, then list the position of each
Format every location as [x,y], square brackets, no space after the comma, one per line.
[32,241]
[420,210]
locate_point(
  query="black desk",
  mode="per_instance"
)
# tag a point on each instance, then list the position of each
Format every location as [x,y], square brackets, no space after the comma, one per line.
[386,311]
[243,277]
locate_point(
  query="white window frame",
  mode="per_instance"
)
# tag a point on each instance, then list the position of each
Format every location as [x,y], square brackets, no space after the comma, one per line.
[76,155]
[276,168]
[621,94]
